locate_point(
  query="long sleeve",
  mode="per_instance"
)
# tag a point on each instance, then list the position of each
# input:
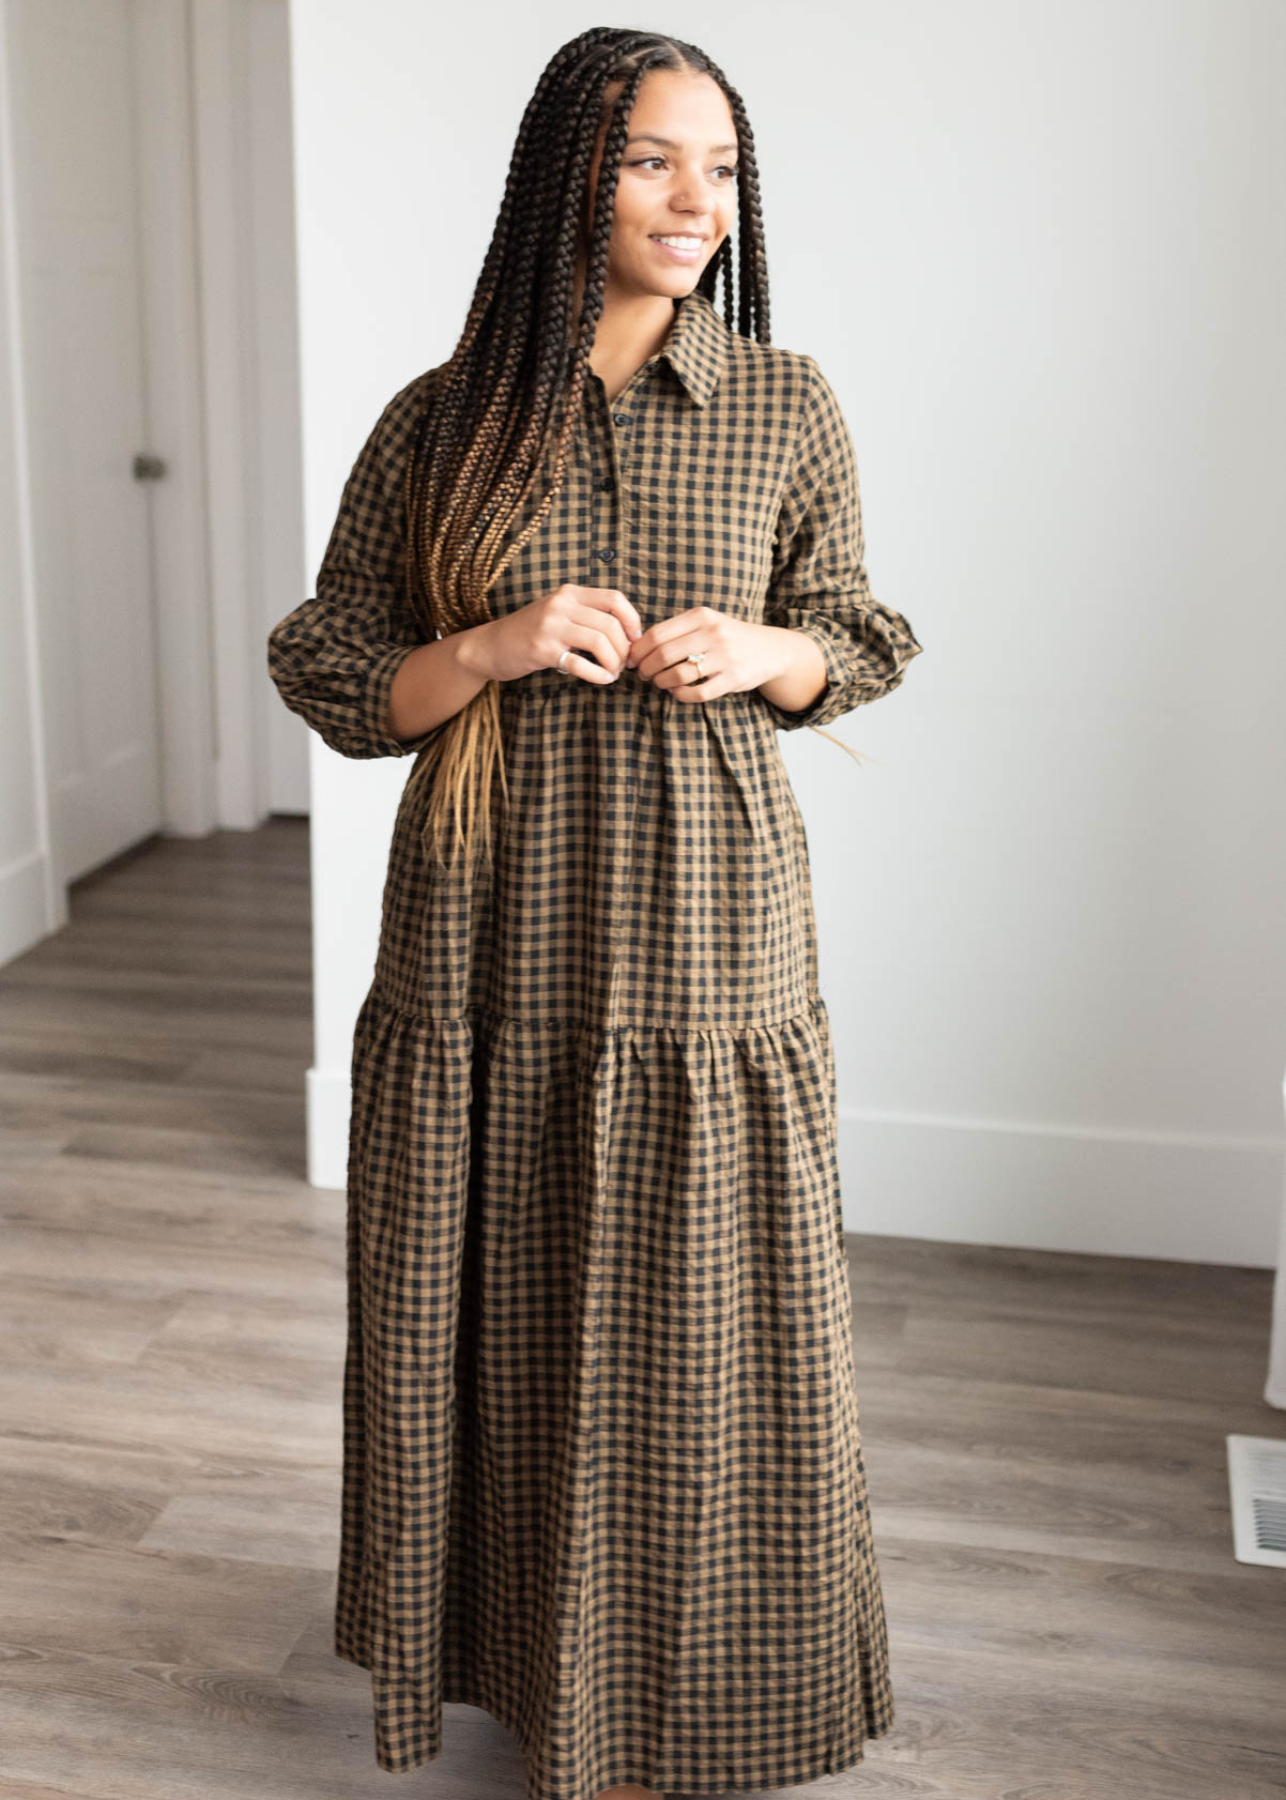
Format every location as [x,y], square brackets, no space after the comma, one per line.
[819,583]
[334,657]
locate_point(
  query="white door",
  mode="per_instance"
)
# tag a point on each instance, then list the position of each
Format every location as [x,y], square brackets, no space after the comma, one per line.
[81,313]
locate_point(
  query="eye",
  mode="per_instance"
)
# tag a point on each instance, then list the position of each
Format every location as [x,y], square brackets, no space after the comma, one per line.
[641,161]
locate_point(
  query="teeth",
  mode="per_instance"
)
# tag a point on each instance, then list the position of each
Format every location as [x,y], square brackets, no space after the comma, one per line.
[681,243]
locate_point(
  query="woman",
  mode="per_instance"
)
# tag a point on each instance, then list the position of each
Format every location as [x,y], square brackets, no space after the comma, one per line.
[602,1467]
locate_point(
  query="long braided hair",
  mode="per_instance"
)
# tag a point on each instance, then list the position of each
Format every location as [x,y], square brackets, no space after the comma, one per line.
[505,406]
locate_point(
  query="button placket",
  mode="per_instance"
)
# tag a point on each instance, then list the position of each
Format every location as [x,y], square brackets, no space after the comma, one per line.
[606,553]
[623,409]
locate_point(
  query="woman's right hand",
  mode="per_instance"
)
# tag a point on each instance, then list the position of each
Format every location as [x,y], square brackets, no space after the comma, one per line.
[597,622]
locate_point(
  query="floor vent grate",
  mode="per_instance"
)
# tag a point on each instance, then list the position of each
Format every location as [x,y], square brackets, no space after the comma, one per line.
[1257,1480]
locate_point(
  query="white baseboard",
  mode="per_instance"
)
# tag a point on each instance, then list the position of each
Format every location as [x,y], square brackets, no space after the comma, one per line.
[328,1098]
[24,918]
[1190,1199]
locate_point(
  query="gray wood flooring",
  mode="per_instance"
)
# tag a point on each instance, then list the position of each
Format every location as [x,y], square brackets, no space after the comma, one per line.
[1044,1433]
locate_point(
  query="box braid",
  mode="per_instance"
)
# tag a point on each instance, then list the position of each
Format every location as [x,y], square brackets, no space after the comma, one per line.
[505,407]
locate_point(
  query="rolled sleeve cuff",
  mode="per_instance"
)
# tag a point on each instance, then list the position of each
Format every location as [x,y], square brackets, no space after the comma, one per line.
[834,699]
[375,702]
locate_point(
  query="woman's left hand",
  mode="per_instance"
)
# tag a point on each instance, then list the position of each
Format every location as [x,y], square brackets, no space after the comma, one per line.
[736,654]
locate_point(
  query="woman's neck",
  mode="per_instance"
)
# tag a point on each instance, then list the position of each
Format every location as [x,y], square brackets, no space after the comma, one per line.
[630,332]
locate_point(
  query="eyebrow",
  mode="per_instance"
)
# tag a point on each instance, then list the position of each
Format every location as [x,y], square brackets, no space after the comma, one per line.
[650,138]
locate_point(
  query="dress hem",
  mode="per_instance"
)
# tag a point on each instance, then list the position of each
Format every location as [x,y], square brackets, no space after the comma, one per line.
[462,1694]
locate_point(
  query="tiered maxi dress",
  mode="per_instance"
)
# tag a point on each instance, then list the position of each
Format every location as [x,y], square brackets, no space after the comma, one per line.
[602,1467]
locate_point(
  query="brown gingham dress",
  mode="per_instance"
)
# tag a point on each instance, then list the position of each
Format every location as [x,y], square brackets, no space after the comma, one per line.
[602,1467]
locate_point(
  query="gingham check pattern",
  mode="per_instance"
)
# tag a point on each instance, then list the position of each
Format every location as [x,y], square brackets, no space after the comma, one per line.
[602,1466]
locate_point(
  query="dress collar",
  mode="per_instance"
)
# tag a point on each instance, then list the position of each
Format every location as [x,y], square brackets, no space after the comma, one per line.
[696,347]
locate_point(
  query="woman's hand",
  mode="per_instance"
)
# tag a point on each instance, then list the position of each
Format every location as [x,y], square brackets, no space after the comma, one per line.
[736,654]
[594,622]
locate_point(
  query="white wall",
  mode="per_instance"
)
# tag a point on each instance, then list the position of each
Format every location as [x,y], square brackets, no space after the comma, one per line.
[1031,247]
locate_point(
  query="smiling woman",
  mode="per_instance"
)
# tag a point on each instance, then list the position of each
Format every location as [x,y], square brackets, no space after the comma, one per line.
[602,1468]
[687,245]
[675,205]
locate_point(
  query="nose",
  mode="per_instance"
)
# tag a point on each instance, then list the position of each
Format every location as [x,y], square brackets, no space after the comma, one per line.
[695,209]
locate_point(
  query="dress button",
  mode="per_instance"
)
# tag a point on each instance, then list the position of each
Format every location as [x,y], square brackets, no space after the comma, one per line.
[605,555]
[620,418]
[607,484]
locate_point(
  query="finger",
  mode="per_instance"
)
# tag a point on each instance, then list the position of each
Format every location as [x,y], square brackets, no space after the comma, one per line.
[709,689]
[645,649]
[592,657]
[612,600]
[577,663]
[671,632]
[682,671]
[591,636]
[607,629]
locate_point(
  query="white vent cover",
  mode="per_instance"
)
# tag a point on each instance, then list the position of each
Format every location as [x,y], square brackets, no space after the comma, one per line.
[1257,1478]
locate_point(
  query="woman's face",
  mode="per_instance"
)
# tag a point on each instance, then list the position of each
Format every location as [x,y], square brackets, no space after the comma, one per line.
[678,178]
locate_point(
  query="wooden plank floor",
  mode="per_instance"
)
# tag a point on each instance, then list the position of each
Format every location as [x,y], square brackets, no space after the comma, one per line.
[1044,1433]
